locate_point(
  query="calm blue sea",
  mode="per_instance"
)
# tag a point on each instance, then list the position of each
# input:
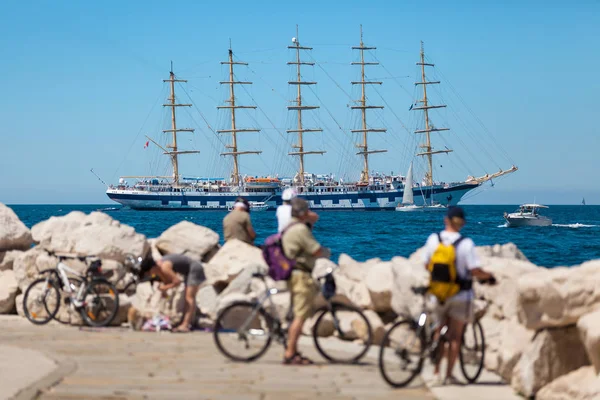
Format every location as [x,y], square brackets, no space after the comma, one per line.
[574,237]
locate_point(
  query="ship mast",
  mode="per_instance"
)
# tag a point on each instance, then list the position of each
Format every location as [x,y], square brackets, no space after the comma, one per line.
[299,107]
[174,152]
[364,148]
[234,153]
[428,149]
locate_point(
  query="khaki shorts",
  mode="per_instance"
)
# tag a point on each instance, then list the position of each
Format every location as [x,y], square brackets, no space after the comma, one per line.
[460,309]
[304,290]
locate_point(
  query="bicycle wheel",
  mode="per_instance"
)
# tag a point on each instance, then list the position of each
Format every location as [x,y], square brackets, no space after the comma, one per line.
[346,323]
[41,301]
[472,351]
[100,303]
[243,331]
[402,352]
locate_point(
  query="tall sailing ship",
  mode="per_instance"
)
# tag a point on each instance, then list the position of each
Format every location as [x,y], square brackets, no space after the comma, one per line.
[372,191]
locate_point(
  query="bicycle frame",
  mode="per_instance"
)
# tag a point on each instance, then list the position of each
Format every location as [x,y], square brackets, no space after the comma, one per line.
[259,305]
[61,270]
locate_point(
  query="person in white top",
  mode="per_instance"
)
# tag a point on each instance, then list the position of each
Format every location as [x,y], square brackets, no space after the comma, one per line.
[284,211]
[457,311]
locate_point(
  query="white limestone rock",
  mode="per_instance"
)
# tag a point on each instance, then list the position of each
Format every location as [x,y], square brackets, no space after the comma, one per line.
[8,258]
[504,295]
[505,345]
[377,328]
[150,301]
[582,384]
[356,292]
[26,267]
[8,292]
[506,251]
[188,239]
[206,300]
[14,235]
[124,306]
[406,275]
[355,270]
[238,316]
[552,353]
[380,282]
[559,296]
[589,331]
[279,305]
[232,259]
[154,251]
[96,234]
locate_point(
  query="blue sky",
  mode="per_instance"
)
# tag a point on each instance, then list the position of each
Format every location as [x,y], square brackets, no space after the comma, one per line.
[82,84]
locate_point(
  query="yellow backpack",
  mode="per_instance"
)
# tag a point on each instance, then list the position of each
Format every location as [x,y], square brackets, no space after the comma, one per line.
[444,281]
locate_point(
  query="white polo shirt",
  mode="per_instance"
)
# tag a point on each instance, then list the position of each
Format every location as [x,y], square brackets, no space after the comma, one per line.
[466,256]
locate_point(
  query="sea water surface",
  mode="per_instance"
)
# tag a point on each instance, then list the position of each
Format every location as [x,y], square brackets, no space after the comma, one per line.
[573,238]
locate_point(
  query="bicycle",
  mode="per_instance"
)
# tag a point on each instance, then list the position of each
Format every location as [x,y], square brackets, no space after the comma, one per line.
[248,324]
[407,356]
[90,294]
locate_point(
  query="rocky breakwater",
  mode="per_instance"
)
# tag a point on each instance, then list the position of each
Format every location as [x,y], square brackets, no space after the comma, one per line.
[15,238]
[76,234]
[562,360]
[542,326]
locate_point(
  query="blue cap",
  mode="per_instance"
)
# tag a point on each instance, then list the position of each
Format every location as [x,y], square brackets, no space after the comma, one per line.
[457,212]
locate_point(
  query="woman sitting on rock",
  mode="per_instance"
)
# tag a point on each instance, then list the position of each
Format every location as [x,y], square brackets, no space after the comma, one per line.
[167,269]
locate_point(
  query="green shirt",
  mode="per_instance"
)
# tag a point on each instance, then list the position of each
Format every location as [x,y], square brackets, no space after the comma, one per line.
[299,244]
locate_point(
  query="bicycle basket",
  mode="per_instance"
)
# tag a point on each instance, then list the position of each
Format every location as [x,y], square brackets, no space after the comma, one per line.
[328,288]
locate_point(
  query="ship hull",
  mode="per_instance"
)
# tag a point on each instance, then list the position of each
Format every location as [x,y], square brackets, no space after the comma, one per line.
[364,200]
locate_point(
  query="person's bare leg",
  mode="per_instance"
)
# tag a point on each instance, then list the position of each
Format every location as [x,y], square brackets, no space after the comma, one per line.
[189,309]
[442,351]
[455,330]
[294,332]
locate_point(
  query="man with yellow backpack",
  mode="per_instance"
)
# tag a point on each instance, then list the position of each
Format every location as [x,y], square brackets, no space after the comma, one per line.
[452,263]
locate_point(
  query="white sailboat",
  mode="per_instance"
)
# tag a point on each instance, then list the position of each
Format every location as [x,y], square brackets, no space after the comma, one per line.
[408,202]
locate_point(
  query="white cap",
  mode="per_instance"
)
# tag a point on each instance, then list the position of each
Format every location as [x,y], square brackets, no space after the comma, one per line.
[239,205]
[288,194]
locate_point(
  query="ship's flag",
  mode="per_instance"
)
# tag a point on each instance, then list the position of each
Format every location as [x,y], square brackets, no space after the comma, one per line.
[147,143]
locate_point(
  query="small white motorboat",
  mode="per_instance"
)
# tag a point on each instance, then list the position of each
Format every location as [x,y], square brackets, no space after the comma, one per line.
[408,208]
[436,207]
[408,202]
[258,206]
[254,206]
[527,215]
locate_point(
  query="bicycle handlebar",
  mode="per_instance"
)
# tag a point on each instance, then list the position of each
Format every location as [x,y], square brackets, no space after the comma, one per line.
[63,256]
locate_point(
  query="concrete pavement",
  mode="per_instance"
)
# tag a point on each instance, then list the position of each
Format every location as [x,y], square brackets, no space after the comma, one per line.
[63,362]
[21,368]
[120,364]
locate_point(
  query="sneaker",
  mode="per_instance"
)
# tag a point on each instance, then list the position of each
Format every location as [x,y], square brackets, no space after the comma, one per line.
[451,380]
[435,381]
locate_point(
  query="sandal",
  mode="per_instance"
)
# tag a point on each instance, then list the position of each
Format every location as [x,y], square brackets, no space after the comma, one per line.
[182,329]
[297,359]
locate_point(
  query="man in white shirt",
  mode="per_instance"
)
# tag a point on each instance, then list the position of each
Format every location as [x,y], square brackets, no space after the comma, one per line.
[457,311]
[284,211]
